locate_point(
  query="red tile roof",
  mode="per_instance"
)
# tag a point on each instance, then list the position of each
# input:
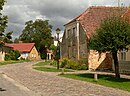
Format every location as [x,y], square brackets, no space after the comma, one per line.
[48,51]
[22,47]
[93,16]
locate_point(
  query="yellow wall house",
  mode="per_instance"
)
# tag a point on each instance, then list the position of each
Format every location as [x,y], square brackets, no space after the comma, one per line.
[28,50]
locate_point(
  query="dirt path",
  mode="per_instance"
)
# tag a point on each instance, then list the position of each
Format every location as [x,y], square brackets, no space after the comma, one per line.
[49,84]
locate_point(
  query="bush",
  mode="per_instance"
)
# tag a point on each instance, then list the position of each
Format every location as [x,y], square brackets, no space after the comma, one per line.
[21,58]
[64,62]
[53,63]
[16,55]
[12,55]
[71,64]
[84,63]
[7,57]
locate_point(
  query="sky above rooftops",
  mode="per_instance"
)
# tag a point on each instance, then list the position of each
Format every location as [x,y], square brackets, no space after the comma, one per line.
[58,12]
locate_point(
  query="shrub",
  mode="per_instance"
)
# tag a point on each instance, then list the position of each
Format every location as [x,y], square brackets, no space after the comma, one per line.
[21,58]
[16,54]
[7,57]
[53,63]
[12,55]
[84,64]
[64,62]
[71,64]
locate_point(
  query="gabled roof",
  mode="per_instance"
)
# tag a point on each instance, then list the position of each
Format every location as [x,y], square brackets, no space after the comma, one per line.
[48,51]
[93,16]
[22,47]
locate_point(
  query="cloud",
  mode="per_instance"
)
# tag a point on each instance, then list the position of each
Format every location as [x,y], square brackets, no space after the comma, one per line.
[58,12]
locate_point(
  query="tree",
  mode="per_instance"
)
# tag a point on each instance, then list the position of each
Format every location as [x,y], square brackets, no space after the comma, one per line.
[7,37]
[112,36]
[53,47]
[16,40]
[3,24]
[38,31]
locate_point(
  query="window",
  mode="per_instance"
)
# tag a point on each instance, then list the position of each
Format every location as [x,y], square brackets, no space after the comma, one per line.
[33,55]
[74,31]
[69,33]
[123,55]
[69,52]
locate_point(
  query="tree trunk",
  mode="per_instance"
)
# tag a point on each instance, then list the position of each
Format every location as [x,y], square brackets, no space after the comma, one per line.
[117,73]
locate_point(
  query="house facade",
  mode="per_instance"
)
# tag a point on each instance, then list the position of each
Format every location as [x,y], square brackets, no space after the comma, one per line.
[49,54]
[27,50]
[75,43]
[4,50]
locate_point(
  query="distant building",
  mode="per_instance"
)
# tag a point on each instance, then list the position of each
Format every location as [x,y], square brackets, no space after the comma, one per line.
[50,54]
[28,50]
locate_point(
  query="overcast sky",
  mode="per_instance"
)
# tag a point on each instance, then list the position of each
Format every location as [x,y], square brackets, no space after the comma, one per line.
[58,12]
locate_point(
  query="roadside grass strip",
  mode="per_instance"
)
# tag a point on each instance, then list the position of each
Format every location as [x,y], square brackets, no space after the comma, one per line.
[105,80]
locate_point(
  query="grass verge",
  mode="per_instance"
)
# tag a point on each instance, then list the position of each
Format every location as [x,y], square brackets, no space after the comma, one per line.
[105,80]
[46,69]
[42,63]
[40,67]
[12,62]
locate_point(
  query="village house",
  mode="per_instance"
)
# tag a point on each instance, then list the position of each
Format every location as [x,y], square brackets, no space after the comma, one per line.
[27,50]
[75,43]
[4,50]
[49,54]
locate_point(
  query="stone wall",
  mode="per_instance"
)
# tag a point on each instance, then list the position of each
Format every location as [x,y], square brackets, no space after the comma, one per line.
[98,61]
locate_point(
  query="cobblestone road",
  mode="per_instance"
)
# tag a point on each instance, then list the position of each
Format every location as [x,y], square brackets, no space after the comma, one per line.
[49,84]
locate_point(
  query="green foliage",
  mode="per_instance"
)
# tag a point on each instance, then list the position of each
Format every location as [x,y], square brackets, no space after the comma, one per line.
[16,40]
[53,47]
[54,63]
[64,62]
[21,58]
[46,69]
[112,35]
[3,24]
[12,55]
[38,32]
[8,37]
[71,64]
[2,4]
[42,63]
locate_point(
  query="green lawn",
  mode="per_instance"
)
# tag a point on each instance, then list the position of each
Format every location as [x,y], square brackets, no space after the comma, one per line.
[105,80]
[42,63]
[11,62]
[40,67]
[46,69]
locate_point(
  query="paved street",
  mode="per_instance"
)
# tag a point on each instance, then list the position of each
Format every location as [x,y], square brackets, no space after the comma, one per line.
[49,84]
[12,88]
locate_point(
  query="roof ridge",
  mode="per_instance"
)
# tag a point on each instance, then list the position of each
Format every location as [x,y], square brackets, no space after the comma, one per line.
[126,12]
[108,7]
[22,47]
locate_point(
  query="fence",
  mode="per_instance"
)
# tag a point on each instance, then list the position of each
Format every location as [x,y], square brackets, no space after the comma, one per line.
[124,67]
